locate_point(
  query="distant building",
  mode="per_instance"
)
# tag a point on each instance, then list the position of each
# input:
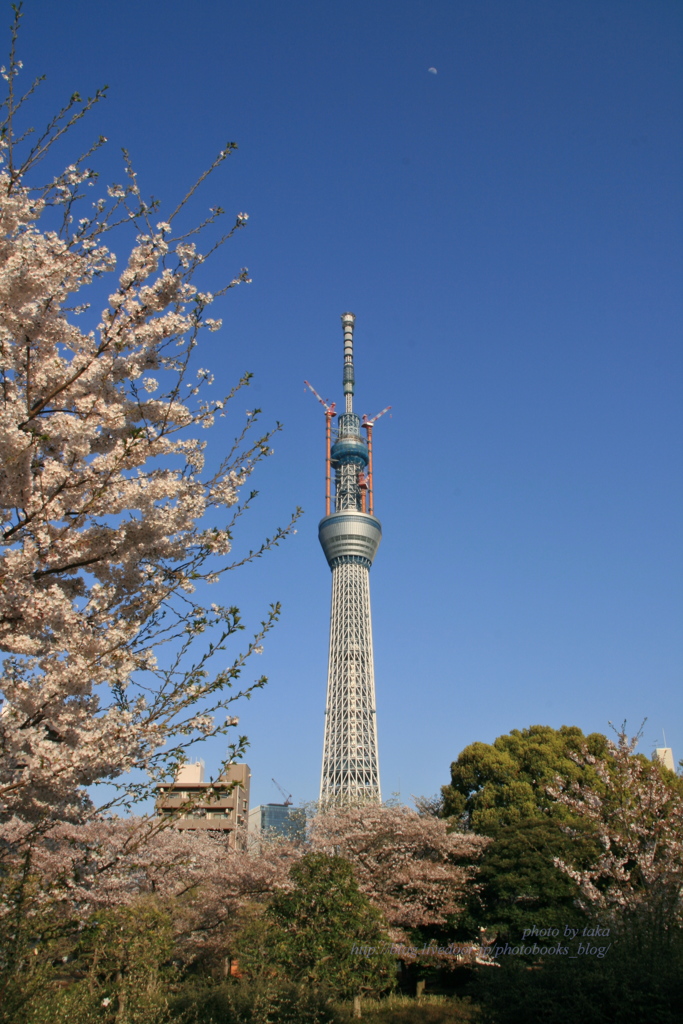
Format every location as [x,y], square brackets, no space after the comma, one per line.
[220,806]
[280,819]
[666,756]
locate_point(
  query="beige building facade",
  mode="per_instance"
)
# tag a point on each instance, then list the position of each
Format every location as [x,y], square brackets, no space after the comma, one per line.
[665,756]
[192,803]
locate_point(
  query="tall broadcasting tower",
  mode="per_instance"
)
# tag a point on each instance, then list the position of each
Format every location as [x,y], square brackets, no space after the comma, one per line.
[350,537]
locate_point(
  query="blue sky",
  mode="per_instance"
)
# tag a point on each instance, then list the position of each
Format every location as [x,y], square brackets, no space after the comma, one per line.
[508,233]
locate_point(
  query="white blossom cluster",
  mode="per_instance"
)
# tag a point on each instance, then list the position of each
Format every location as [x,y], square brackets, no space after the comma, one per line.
[410,866]
[636,815]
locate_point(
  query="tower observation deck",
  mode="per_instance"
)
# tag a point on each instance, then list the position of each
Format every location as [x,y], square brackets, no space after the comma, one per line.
[350,534]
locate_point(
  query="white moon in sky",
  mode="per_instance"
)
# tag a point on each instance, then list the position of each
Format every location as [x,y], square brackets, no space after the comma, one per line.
[433,71]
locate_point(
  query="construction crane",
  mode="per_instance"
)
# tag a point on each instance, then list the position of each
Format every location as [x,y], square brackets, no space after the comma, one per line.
[329,408]
[288,799]
[367,482]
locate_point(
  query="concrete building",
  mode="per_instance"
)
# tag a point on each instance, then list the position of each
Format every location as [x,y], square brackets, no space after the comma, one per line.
[192,803]
[666,756]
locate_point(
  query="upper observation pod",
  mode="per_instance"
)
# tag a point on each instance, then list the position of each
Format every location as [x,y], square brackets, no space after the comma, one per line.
[349,444]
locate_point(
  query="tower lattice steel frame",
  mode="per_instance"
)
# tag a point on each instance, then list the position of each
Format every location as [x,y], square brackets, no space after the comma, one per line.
[350,537]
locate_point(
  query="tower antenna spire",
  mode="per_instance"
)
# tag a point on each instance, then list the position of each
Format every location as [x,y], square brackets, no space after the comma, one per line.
[348,321]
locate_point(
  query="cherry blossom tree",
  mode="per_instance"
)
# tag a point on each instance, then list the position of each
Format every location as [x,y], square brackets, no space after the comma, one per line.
[112,521]
[637,818]
[409,865]
[104,493]
[198,888]
[631,894]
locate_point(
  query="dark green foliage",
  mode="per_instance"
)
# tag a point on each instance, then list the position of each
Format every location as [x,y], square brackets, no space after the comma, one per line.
[500,790]
[640,979]
[314,932]
[493,785]
[439,1013]
[520,885]
[255,1002]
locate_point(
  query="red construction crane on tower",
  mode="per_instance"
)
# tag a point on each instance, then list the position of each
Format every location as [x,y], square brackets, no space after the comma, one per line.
[368,425]
[329,408]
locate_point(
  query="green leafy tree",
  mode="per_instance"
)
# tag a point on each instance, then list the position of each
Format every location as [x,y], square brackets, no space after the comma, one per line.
[501,790]
[519,884]
[116,967]
[505,782]
[323,931]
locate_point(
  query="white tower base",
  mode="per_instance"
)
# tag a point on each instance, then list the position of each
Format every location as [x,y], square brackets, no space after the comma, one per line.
[350,770]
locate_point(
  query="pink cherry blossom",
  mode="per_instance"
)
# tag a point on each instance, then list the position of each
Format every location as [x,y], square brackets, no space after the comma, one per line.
[111,663]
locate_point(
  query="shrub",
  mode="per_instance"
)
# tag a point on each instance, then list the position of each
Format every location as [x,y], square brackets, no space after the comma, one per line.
[254,1002]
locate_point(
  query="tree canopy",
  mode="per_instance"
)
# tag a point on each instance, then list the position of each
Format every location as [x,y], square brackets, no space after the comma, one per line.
[412,867]
[323,931]
[637,813]
[503,783]
[502,790]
